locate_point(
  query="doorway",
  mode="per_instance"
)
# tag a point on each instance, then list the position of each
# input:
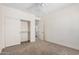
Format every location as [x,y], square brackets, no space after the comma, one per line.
[25,31]
[37,29]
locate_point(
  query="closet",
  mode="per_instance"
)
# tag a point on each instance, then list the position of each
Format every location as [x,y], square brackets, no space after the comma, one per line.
[25,31]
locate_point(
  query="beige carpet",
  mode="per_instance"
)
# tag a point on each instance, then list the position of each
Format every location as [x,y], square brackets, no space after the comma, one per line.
[39,47]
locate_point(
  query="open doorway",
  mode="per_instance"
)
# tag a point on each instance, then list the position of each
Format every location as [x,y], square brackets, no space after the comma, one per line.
[37,29]
[25,31]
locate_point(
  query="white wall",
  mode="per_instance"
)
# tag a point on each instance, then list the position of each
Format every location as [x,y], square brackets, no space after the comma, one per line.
[10,19]
[62,26]
[0,29]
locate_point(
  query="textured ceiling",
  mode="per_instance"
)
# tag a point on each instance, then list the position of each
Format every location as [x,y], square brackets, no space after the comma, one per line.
[38,9]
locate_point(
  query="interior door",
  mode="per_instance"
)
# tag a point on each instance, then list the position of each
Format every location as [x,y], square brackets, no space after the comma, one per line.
[24,31]
[12,29]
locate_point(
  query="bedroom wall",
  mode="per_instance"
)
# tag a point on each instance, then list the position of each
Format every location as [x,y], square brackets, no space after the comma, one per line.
[0,29]
[10,18]
[62,26]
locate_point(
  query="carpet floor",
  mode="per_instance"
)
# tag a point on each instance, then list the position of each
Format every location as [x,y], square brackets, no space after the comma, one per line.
[39,47]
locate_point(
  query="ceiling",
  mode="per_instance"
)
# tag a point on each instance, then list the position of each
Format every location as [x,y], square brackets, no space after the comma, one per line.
[38,9]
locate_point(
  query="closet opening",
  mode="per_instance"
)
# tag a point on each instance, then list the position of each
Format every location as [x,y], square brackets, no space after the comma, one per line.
[25,31]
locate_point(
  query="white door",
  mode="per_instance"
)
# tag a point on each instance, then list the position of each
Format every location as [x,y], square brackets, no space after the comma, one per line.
[24,31]
[12,29]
